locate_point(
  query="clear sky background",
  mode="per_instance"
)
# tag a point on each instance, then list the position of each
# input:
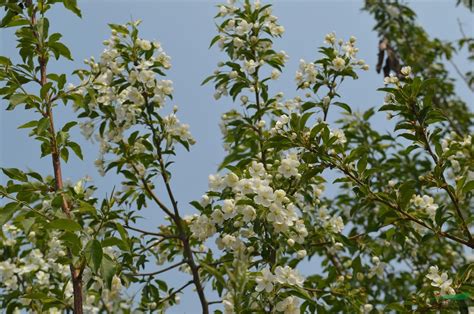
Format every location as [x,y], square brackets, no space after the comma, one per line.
[185,29]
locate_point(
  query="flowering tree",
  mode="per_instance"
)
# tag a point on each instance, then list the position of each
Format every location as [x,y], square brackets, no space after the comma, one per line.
[394,237]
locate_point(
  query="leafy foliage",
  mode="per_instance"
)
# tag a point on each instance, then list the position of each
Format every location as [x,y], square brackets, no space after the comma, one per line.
[393,238]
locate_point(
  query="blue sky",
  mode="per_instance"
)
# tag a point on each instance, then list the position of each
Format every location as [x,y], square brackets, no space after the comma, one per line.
[185,29]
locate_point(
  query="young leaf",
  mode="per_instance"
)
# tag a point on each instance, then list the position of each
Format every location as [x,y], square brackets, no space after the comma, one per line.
[64,224]
[76,149]
[71,5]
[7,212]
[94,254]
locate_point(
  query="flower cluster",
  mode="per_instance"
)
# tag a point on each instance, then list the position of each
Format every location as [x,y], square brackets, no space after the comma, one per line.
[283,275]
[242,37]
[253,197]
[392,79]
[330,223]
[238,204]
[366,308]
[289,166]
[34,264]
[339,135]
[340,57]
[38,269]
[122,90]
[289,305]
[280,123]
[458,150]
[306,74]
[378,268]
[440,281]
[426,204]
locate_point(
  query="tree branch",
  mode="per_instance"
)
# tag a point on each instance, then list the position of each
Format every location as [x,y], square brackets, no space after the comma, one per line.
[159,271]
[76,273]
[156,234]
[176,292]
[187,251]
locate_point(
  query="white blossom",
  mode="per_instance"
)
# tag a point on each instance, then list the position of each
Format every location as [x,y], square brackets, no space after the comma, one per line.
[440,281]
[339,63]
[378,268]
[144,44]
[288,275]
[275,74]
[202,227]
[250,66]
[243,28]
[289,166]
[406,70]
[265,281]
[289,305]
[425,203]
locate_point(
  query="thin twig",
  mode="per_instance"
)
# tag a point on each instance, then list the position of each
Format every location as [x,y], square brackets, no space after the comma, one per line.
[176,217]
[463,77]
[155,234]
[6,195]
[159,271]
[215,302]
[176,292]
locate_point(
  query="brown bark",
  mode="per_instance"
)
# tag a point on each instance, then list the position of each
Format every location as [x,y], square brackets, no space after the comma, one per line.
[76,274]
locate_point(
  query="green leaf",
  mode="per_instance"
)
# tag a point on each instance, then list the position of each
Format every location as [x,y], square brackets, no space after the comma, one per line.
[71,5]
[64,224]
[35,175]
[72,241]
[15,174]
[40,296]
[7,212]
[113,241]
[68,126]
[17,99]
[30,124]
[60,49]
[362,164]
[214,272]
[119,28]
[65,154]
[45,89]
[316,129]
[45,149]
[408,136]
[85,207]
[369,113]
[162,285]
[304,118]
[108,269]
[390,108]
[426,83]
[357,265]
[94,254]
[55,37]
[123,234]
[214,40]
[468,187]
[301,293]
[344,106]
[461,296]
[407,189]
[5,61]
[196,205]
[76,149]
[43,124]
